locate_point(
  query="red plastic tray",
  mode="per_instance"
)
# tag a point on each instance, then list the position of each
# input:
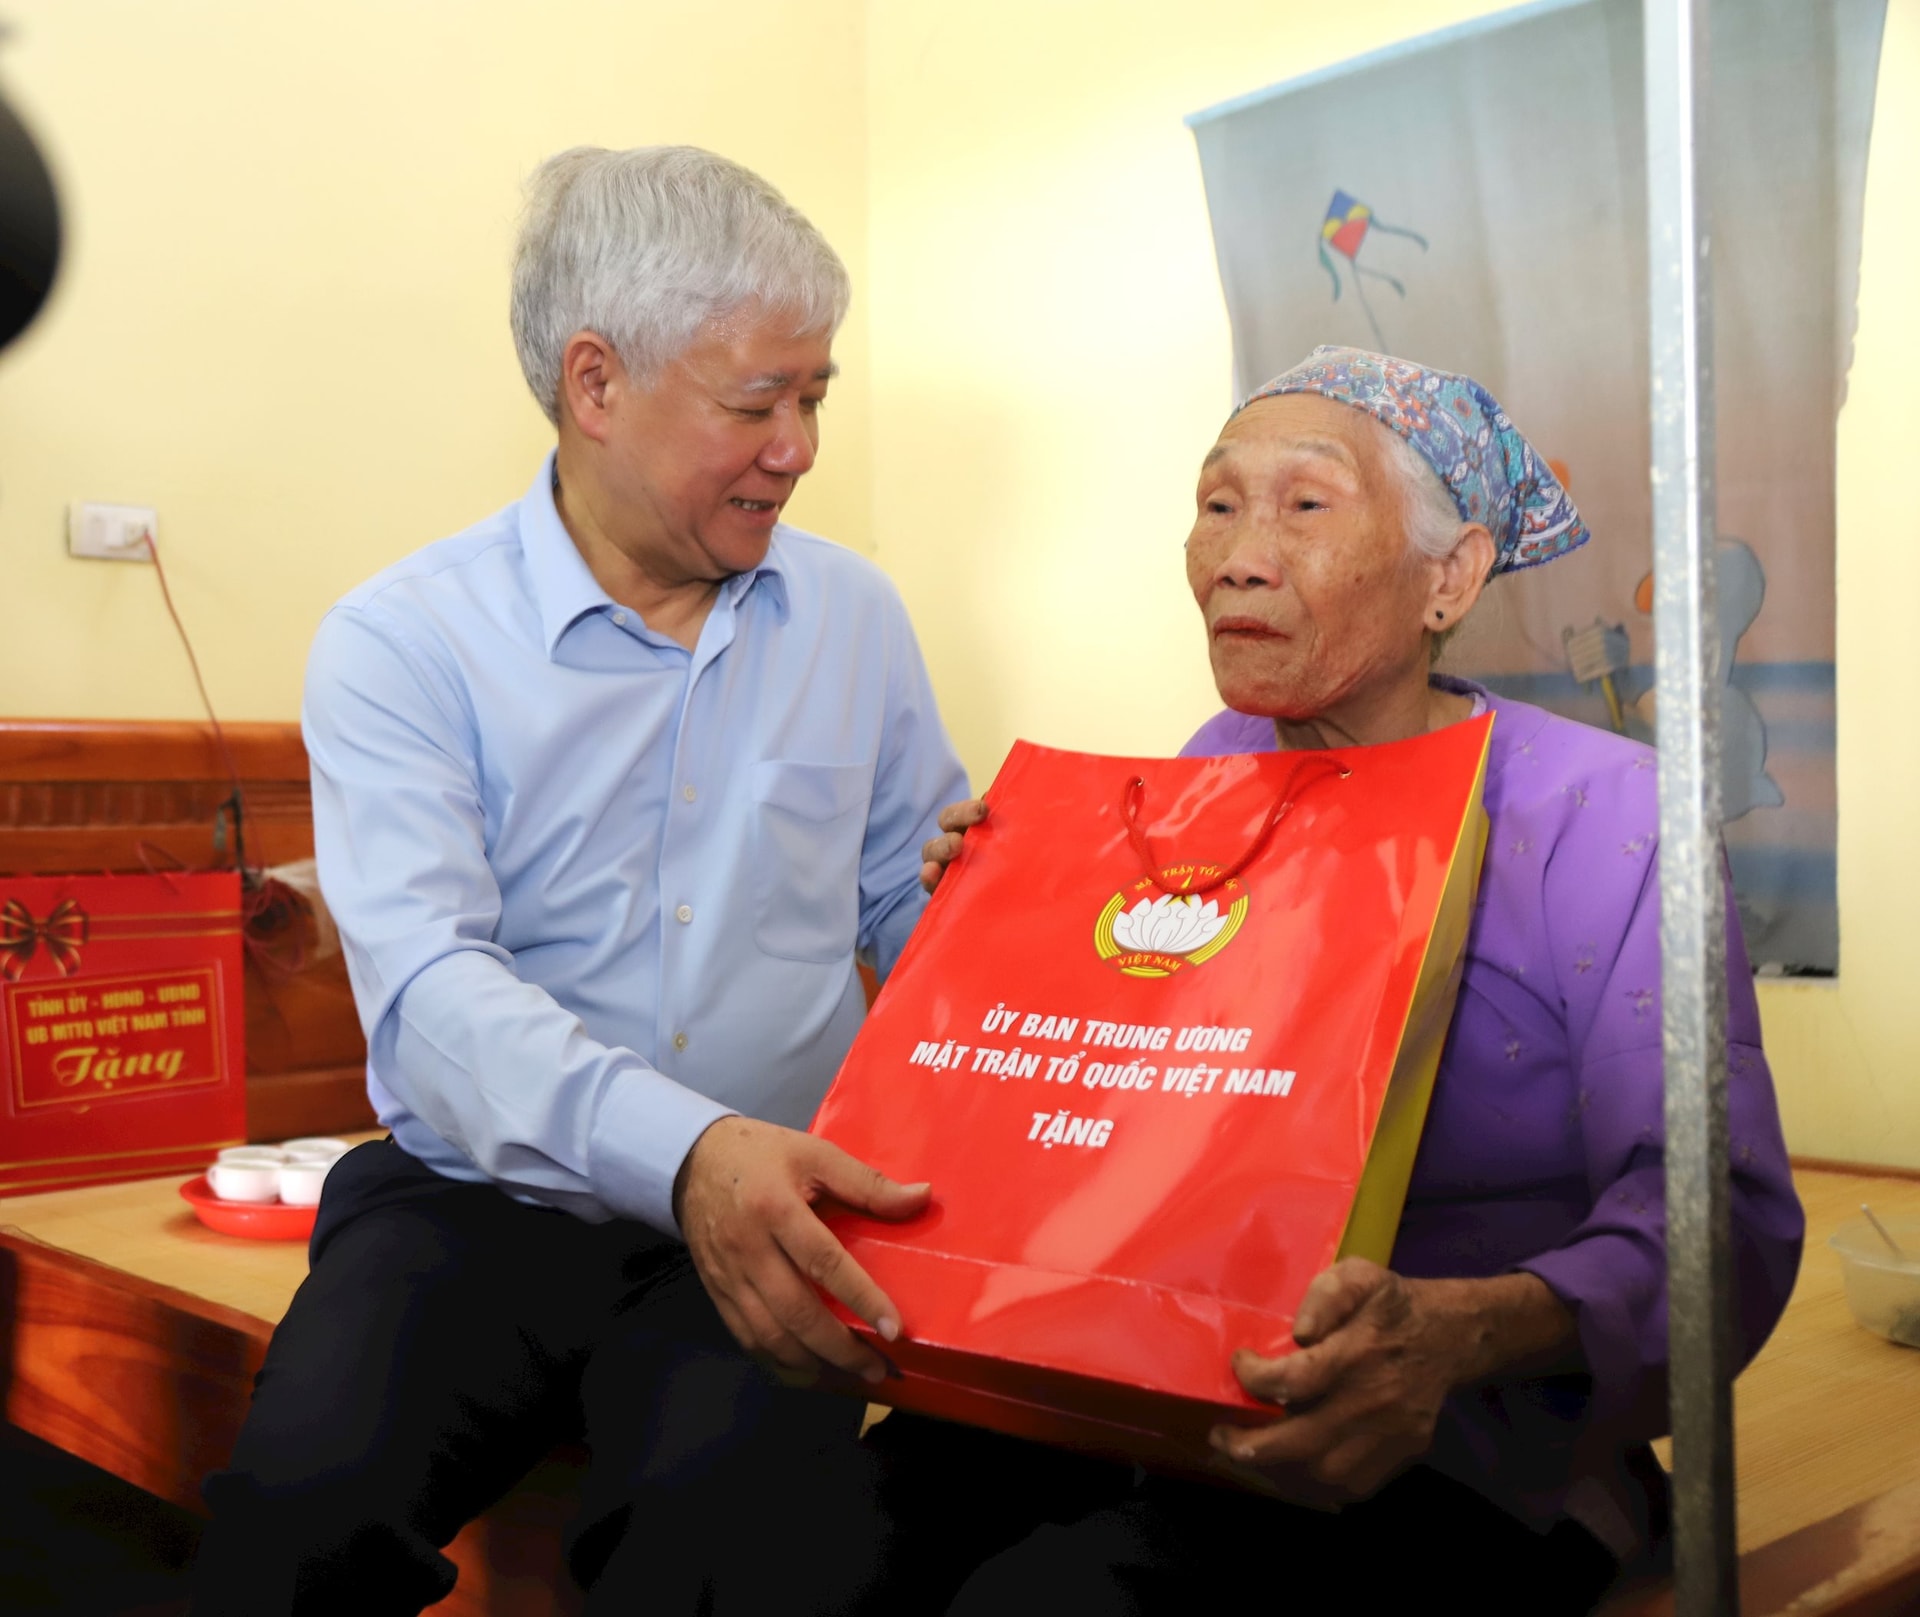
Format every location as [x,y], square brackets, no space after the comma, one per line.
[259,1221]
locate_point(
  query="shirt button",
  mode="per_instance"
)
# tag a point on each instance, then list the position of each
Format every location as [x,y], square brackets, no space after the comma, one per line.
[688,793]
[620,618]
[683,914]
[679,1041]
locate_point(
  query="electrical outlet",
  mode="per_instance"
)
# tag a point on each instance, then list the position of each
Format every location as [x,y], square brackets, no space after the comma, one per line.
[111,532]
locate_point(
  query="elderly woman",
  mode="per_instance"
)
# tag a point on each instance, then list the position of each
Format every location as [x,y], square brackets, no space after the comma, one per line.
[1479,1413]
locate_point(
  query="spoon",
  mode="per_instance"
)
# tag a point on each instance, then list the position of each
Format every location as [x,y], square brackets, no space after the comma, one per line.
[1880,1229]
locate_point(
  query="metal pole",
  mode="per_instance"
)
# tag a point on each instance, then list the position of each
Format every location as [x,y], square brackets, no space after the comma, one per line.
[1693,975]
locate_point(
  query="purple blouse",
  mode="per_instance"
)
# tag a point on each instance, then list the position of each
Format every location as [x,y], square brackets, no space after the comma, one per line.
[1542,1149]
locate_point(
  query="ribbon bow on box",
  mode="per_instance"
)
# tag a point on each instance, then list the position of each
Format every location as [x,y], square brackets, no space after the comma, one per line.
[61,934]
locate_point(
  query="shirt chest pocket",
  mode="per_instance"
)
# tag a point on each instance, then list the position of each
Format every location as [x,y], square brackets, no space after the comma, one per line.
[809,823]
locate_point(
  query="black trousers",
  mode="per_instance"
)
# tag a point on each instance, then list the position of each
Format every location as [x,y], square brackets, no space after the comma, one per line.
[987,1526]
[447,1337]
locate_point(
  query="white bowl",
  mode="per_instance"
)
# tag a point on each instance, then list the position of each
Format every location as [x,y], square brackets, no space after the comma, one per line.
[1882,1290]
[300,1181]
[315,1148]
[246,1181]
[252,1153]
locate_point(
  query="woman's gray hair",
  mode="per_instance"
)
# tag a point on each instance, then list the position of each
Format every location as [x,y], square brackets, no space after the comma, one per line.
[1434,522]
[644,247]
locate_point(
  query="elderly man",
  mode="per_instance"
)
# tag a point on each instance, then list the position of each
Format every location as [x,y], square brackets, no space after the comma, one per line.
[610,790]
[1478,1414]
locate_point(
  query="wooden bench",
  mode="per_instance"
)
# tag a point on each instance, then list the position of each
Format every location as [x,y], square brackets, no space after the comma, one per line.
[83,796]
[134,1334]
[129,1335]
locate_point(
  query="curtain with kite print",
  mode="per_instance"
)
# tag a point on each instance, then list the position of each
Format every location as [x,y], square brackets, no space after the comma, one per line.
[1475,200]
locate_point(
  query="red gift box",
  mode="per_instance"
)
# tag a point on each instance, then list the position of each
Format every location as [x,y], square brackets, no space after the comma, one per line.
[1163,1043]
[122,1027]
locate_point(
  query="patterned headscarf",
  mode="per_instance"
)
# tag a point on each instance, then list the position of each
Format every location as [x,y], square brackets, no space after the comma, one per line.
[1494,475]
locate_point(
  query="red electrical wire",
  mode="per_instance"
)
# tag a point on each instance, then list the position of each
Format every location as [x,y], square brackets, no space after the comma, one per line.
[268,906]
[247,877]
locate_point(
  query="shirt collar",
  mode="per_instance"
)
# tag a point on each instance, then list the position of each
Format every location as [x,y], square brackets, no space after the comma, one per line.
[564,588]
[770,577]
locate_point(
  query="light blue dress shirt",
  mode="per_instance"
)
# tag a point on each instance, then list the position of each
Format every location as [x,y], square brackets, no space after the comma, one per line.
[596,890]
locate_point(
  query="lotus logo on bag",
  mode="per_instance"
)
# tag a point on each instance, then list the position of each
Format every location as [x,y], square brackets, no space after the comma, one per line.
[1140,935]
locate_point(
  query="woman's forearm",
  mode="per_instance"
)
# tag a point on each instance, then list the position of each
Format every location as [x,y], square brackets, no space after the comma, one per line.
[1500,1326]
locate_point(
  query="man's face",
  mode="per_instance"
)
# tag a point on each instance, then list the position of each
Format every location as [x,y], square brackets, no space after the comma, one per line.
[701,462]
[1298,559]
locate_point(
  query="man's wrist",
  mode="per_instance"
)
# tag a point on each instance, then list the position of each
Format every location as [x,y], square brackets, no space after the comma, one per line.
[678,1199]
[685,1170]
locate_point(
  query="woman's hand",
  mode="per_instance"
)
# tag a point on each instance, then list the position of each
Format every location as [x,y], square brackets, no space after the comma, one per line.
[1379,1355]
[941,851]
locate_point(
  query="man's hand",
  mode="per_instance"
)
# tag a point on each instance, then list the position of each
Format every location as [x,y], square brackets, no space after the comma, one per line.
[744,1198]
[941,851]
[1378,1356]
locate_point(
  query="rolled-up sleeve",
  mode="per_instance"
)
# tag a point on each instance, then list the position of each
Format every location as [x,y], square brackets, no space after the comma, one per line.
[493,1064]
[1611,1269]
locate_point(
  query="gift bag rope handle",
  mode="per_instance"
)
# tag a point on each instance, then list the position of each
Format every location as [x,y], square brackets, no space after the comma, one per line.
[1134,799]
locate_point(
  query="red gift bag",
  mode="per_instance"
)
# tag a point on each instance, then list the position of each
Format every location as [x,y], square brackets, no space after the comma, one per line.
[1163,1043]
[122,1027]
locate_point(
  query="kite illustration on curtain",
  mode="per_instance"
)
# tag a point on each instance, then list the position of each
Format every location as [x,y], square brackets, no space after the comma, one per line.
[1517,253]
[1345,231]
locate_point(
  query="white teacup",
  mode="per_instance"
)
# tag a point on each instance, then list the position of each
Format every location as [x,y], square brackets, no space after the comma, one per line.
[252,1153]
[246,1180]
[315,1148]
[301,1179]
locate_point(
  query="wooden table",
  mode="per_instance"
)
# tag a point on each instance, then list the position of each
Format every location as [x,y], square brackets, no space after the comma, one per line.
[135,1333]
[1829,1414]
[135,1330]
[145,1229]
[1826,1440]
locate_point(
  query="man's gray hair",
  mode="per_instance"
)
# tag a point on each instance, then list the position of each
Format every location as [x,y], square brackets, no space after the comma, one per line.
[644,247]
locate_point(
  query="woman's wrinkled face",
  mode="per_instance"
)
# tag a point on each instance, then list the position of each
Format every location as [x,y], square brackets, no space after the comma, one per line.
[1300,562]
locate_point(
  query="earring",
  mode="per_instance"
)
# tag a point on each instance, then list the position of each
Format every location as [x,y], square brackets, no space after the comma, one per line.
[1439,616]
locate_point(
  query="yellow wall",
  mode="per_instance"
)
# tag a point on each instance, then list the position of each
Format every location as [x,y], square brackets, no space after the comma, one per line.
[282,322]
[1051,351]
[282,317]
[1847,1053]
[1051,358]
